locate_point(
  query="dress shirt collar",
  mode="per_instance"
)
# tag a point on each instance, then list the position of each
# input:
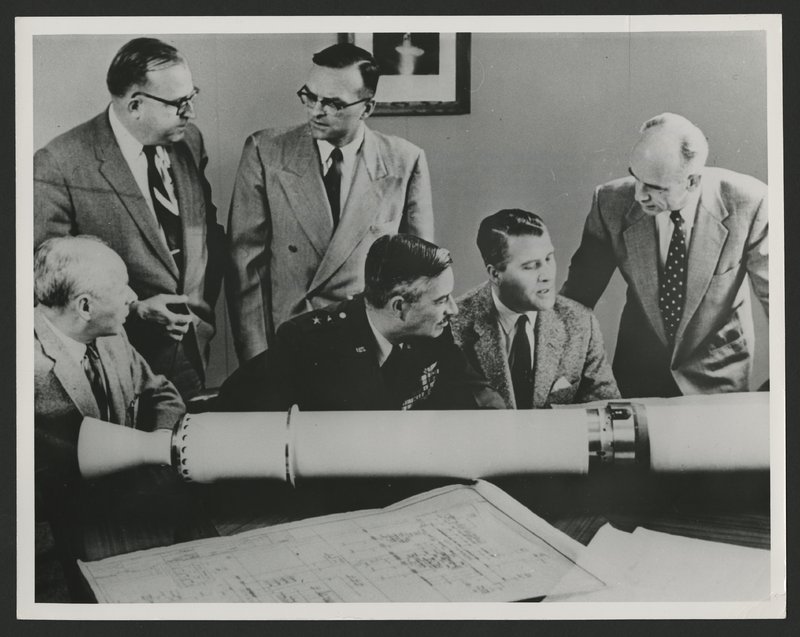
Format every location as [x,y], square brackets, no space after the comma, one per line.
[384,346]
[348,151]
[688,212]
[75,349]
[130,146]
[132,149]
[507,317]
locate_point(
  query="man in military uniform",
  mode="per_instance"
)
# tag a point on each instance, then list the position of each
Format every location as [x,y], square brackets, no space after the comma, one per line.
[390,348]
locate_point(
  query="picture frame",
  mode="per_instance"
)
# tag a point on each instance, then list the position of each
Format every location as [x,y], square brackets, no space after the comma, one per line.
[431,76]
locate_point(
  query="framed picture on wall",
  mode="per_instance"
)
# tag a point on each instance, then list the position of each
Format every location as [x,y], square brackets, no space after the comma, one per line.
[421,73]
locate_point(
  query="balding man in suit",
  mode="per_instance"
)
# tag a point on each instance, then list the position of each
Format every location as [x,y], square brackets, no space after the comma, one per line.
[689,240]
[84,366]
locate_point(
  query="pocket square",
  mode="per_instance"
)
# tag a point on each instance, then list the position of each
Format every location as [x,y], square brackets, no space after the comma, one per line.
[561,383]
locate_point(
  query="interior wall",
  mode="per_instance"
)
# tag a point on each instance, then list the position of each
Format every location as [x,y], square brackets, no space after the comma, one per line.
[552,116]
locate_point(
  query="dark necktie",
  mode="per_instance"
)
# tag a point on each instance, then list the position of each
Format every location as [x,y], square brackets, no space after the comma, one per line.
[93,368]
[672,288]
[164,207]
[333,184]
[521,372]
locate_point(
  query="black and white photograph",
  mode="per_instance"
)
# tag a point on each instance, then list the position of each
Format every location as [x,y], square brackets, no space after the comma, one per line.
[404,319]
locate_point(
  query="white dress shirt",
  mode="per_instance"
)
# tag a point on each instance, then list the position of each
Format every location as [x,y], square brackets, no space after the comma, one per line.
[508,326]
[75,349]
[349,155]
[665,227]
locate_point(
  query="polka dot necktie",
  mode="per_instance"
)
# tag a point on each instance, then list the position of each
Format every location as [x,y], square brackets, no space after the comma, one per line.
[672,290]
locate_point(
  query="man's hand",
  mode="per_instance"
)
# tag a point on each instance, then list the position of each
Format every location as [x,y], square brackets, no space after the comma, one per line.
[155,310]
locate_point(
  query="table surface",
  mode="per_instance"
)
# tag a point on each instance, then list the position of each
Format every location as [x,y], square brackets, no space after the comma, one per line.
[150,507]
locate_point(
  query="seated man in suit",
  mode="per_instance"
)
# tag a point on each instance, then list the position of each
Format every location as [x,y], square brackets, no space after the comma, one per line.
[689,240]
[390,348]
[535,348]
[309,201]
[83,362]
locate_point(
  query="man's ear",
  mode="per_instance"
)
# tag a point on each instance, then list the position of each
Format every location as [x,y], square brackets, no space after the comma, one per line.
[82,305]
[369,108]
[694,181]
[494,273]
[134,106]
[397,305]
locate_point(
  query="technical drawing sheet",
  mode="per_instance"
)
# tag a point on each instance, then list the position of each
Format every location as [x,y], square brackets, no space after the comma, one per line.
[461,543]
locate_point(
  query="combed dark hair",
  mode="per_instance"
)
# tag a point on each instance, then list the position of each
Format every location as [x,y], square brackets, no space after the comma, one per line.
[401,264]
[63,268]
[132,62]
[344,54]
[495,229]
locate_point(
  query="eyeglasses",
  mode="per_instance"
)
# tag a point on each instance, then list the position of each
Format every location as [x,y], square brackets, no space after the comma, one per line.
[182,105]
[330,106]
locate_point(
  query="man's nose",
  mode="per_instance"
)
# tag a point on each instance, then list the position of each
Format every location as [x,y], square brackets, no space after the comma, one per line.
[316,109]
[452,308]
[188,111]
[548,272]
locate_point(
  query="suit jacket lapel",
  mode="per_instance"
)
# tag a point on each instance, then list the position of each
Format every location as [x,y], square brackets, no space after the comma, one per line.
[68,373]
[118,174]
[362,205]
[489,348]
[642,247]
[190,209]
[708,238]
[301,179]
[120,387]
[549,337]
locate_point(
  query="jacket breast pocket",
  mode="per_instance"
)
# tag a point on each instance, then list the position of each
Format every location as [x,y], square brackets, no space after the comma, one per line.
[563,393]
[385,227]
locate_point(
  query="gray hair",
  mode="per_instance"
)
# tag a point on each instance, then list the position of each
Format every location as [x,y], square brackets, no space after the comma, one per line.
[66,267]
[693,144]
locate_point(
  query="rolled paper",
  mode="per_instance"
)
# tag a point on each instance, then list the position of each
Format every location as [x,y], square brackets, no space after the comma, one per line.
[218,446]
[452,444]
[709,433]
[105,448]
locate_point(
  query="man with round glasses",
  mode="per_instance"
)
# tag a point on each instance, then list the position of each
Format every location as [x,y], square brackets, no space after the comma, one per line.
[134,176]
[309,201]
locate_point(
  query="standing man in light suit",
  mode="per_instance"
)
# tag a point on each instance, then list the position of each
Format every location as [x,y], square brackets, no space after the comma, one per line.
[133,176]
[308,202]
[686,239]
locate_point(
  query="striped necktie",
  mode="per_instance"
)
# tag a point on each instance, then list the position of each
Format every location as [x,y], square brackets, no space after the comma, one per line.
[165,207]
[93,368]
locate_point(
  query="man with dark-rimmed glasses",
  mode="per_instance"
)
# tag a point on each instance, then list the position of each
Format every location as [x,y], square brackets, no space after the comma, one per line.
[133,176]
[308,202]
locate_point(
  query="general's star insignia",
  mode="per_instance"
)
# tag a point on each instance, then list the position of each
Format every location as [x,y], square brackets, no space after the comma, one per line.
[316,320]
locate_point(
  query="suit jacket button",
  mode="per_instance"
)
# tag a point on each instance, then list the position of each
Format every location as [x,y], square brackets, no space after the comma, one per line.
[292,248]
